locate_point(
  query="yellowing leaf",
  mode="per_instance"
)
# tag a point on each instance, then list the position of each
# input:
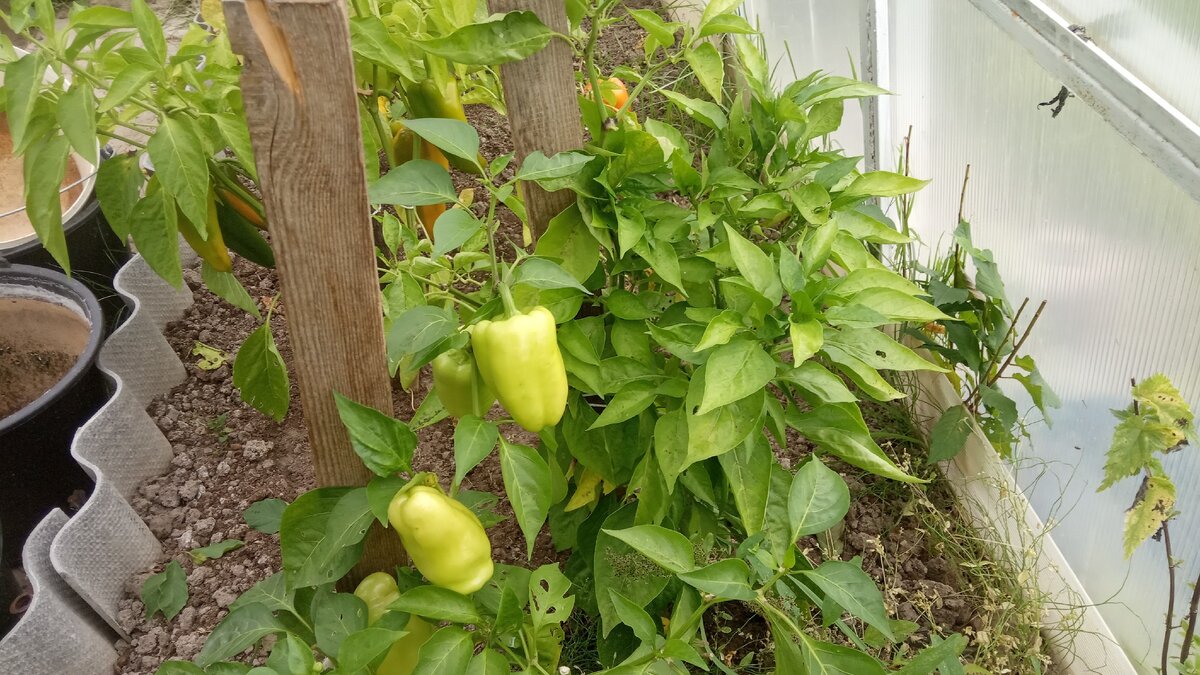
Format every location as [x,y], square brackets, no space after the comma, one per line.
[1157,395]
[1154,505]
[1134,443]
[211,358]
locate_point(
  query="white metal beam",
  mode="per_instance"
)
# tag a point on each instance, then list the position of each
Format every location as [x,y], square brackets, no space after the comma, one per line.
[1155,127]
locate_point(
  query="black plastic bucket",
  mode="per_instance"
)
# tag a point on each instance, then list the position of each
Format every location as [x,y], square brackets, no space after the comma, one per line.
[95,252]
[37,471]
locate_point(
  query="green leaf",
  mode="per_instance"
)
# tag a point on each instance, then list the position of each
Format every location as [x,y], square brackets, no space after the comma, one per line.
[240,629]
[748,470]
[474,440]
[862,279]
[733,372]
[721,429]
[364,647]
[446,652]
[227,287]
[709,68]
[150,29]
[370,39]
[271,592]
[818,500]
[632,615]
[653,24]
[156,236]
[830,659]
[44,166]
[260,374]
[934,656]
[867,378]
[663,258]
[853,589]
[216,550]
[264,515]
[715,8]
[705,112]
[22,82]
[838,428]
[866,228]
[418,182]
[181,168]
[335,616]
[526,481]
[883,184]
[380,492]
[101,16]
[237,136]
[898,305]
[545,273]
[720,330]
[628,403]
[384,443]
[617,565]
[290,655]
[76,114]
[877,350]
[451,136]
[119,184]
[725,23]
[807,338]
[418,329]
[439,604]
[488,662]
[666,548]
[165,592]
[1134,442]
[309,558]
[1152,508]
[453,229]
[553,173]
[567,239]
[511,37]
[755,266]
[726,579]
[817,384]
[949,434]
[1156,395]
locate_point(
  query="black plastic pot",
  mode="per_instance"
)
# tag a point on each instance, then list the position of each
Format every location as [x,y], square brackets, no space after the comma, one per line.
[37,471]
[95,252]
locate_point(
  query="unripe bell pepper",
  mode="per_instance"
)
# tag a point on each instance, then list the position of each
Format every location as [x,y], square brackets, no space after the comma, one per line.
[519,359]
[212,250]
[379,591]
[459,386]
[445,541]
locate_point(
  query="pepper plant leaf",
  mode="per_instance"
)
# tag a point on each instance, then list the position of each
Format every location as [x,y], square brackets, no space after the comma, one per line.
[384,443]
[511,37]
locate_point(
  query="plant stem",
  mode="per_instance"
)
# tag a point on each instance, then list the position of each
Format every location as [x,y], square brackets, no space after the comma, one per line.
[123,139]
[962,197]
[1170,598]
[984,377]
[510,307]
[589,60]
[1017,347]
[1190,633]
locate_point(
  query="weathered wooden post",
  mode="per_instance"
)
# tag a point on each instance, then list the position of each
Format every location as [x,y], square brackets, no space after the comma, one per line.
[543,110]
[298,88]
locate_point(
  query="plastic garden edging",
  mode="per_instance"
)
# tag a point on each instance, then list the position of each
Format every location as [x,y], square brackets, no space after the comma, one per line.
[79,566]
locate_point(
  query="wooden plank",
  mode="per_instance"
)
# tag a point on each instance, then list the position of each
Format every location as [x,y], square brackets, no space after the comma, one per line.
[298,88]
[543,110]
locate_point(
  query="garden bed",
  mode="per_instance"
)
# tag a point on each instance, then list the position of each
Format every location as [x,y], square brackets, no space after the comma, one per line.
[933,569]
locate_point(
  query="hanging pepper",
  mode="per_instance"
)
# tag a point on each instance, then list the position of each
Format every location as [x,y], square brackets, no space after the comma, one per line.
[519,359]
[242,207]
[212,250]
[445,541]
[241,236]
[459,385]
[379,591]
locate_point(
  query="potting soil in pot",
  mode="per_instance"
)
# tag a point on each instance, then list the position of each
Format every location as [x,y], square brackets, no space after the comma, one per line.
[39,342]
[12,190]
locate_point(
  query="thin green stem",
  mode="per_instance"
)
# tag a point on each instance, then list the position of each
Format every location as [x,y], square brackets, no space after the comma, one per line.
[510,307]
[123,139]
[589,60]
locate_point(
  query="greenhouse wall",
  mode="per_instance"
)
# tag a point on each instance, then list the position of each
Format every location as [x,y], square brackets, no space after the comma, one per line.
[1076,215]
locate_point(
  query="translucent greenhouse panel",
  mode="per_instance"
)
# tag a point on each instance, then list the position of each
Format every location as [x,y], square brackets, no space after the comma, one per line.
[1153,39]
[1076,216]
[807,35]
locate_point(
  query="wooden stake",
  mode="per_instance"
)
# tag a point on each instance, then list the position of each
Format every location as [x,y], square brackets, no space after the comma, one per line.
[298,89]
[543,110]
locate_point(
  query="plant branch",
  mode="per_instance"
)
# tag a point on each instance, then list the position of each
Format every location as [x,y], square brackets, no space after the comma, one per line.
[1190,633]
[962,196]
[984,378]
[1166,647]
[589,59]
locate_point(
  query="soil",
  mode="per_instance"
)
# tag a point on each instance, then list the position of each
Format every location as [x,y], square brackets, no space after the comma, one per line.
[12,188]
[228,456]
[39,342]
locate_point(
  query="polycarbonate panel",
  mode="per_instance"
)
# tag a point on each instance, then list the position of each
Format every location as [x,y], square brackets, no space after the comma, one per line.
[807,35]
[1076,216]
[1153,39]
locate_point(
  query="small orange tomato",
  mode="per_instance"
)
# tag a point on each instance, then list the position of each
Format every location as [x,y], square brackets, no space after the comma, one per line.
[613,92]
